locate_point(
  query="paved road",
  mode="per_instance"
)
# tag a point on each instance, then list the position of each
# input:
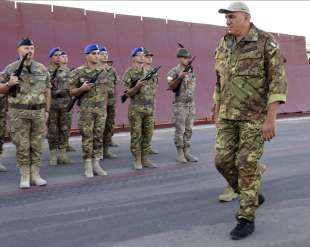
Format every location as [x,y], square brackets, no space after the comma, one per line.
[175,205]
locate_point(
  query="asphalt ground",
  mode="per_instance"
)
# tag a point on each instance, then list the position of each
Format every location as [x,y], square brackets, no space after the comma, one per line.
[174,205]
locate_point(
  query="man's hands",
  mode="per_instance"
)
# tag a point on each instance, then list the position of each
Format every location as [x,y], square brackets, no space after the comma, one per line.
[269,126]
[13,80]
[86,87]
[140,84]
[182,74]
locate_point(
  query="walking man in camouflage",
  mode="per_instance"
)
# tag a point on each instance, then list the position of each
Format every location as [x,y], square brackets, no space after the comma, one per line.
[63,59]
[112,78]
[57,122]
[93,105]
[3,110]
[141,109]
[250,85]
[28,110]
[183,110]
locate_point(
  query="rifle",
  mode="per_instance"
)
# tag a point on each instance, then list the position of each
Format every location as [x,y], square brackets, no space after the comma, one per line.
[78,98]
[188,68]
[16,88]
[147,77]
[53,77]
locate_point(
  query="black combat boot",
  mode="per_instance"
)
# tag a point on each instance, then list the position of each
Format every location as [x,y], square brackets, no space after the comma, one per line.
[243,229]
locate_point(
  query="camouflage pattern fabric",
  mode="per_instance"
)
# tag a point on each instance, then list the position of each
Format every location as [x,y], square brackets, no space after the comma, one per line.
[250,76]
[183,110]
[141,111]
[112,78]
[3,109]
[58,131]
[27,126]
[69,124]
[92,115]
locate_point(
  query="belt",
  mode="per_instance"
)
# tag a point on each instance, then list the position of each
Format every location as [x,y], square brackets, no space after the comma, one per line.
[27,107]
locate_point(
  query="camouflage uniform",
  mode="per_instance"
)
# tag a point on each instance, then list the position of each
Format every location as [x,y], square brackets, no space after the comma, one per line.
[112,78]
[3,109]
[183,111]
[27,113]
[141,111]
[92,115]
[57,123]
[250,76]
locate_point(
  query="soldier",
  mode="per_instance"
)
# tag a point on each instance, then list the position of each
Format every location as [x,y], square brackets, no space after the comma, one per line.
[111,87]
[28,111]
[57,122]
[250,85]
[63,59]
[93,105]
[3,110]
[141,110]
[148,61]
[183,106]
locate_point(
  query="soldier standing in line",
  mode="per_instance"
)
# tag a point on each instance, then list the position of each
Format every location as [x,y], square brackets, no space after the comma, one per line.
[93,108]
[112,78]
[141,110]
[251,83]
[183,106]
[63,59]
[3,110]
[29,103]
[57,122]
[148,61]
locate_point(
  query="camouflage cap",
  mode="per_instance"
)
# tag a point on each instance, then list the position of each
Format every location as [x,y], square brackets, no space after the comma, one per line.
[183,53]
[235,7]
[147,53]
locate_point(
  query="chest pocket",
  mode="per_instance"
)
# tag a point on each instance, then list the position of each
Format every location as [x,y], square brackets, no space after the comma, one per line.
[221,59]
[250,62]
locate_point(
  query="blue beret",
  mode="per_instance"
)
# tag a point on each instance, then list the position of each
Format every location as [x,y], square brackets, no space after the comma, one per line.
[63,53]
[25,41]
[103,49]
[136,50]
[52,51]
[91,47]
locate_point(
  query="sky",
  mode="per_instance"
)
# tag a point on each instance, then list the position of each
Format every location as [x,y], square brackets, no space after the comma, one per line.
[289,17]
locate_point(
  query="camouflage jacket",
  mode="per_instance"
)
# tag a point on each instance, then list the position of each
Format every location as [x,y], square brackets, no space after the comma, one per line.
[112,78]
[145,98]
[34,83]
[250,75]
[60,86]
[3,103]
[96,97]
[187,90]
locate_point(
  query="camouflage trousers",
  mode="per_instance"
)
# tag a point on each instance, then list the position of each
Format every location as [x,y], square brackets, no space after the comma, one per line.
[91,124]
[238,149]
[183,121]
[109,125]
[27,132]
[57,128]
[69,124]
[141,131]
[2,128]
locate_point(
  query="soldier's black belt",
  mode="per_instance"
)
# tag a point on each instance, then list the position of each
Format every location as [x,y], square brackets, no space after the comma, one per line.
[28,107]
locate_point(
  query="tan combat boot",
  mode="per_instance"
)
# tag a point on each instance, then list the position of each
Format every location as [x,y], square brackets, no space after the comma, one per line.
[189,156]
[147,163]
[97,168]
[35,177]
[108,155]
[180,156]
[2,167]
[88,168]
[228,195]
[63,159]
[153,151]
[24,177]
[53,157]
[137,164]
